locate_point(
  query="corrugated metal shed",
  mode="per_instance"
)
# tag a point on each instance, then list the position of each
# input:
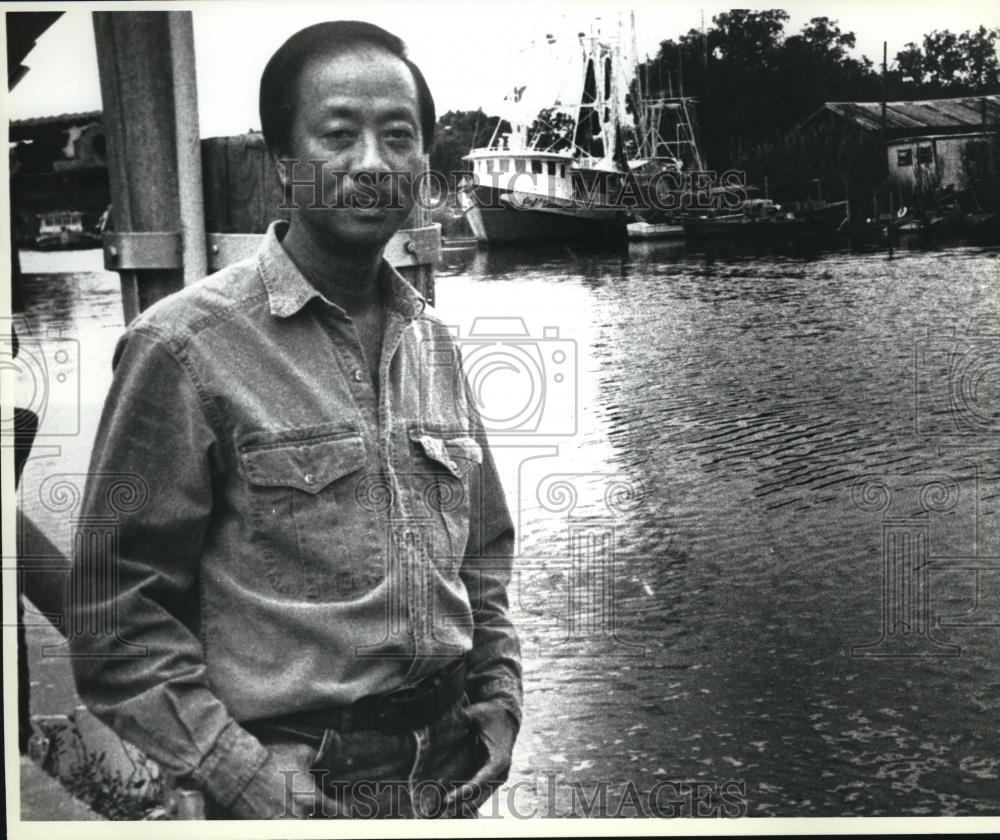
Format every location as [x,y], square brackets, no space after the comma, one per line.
[69,119]
[19,128]
[960,112]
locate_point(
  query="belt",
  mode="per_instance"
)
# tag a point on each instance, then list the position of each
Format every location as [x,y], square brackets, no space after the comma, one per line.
[408,708]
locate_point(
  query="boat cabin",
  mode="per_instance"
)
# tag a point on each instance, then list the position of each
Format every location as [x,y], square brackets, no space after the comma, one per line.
[57,222]
[538,173]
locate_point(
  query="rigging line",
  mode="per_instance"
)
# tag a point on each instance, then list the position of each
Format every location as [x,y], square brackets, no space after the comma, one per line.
[475,130]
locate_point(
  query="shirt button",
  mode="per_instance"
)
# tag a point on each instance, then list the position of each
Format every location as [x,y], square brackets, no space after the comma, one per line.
[309,478]
[359,375]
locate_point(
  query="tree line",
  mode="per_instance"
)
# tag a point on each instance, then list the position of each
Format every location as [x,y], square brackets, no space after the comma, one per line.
[755,83]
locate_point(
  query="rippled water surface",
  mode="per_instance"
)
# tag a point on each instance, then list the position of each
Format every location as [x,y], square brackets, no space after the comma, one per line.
[696,555]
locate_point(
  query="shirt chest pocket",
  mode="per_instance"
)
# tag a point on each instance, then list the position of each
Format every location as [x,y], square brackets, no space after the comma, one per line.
[441,488]
[310,539]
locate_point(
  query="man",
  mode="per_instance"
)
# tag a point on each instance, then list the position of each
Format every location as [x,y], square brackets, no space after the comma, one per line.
[310,608]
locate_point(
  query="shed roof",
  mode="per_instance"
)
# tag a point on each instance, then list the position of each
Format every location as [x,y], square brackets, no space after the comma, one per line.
[17,126]
[960,112]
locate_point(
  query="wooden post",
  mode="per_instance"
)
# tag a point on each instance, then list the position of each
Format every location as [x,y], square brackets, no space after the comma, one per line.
[422,276]
[188,142]
[243,195]
[885,70]
[161,193]
[135,58]
[888,226]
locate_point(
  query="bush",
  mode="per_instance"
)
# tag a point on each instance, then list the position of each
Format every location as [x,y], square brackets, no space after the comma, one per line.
[137,796]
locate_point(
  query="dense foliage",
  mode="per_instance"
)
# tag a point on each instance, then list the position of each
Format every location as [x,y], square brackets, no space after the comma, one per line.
[755,83]
[456,134]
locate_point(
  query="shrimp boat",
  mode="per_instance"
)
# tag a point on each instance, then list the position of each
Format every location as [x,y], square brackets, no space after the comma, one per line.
[668,160]
[64,230]
[574,186]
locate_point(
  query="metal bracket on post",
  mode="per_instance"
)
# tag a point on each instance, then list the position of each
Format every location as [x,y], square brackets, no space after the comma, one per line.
[226,248]
[416,246]
[126,251]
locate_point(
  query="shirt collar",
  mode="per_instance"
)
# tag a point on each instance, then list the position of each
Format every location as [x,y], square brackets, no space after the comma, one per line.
[289,291]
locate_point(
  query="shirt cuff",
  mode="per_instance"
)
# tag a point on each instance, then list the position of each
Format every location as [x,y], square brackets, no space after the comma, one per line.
[503,691]
[230,765]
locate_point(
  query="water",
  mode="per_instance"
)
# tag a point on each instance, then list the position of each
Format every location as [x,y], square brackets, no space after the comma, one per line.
[722,408]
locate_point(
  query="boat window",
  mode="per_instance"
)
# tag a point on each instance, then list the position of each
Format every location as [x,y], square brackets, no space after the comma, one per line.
[925,154]
[519,165]
[490,167]
[904,157]
[504,165]
[536,167]
[551,167]
[562,170]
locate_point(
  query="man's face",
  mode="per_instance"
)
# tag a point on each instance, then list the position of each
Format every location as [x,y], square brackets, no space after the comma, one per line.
[358,112]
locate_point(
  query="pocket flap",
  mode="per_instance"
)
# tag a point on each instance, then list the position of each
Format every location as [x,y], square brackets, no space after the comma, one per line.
[457,452]
[307,465]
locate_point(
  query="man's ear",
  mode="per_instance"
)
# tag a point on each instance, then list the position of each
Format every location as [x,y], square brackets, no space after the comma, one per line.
[284,172]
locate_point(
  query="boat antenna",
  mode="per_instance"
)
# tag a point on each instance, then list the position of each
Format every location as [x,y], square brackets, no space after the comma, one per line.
[680,73]
[496,131]
[704,42]
[475,129]
[635,58]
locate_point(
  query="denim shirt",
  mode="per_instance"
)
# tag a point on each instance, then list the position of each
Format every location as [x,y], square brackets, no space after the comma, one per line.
[302,539]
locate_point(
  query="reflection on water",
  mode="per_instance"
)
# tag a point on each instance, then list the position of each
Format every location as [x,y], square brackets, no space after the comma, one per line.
[745,397]
[723,405]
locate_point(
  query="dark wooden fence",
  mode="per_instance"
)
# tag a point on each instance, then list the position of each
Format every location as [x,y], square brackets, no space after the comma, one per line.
[243,195]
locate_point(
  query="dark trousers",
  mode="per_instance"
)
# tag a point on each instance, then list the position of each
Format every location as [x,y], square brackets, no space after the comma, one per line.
[371,774]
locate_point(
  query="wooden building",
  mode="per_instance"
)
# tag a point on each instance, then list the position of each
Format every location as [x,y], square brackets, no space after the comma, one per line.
[58,163]
[926,142]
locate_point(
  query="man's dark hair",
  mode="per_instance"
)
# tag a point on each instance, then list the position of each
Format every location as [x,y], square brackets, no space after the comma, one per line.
[281,75]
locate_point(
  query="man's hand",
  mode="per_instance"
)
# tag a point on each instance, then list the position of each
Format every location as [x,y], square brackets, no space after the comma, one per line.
[497,731]
[284,788]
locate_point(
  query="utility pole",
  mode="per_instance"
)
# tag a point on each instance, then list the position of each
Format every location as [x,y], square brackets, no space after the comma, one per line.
[885,67]
[704,43]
